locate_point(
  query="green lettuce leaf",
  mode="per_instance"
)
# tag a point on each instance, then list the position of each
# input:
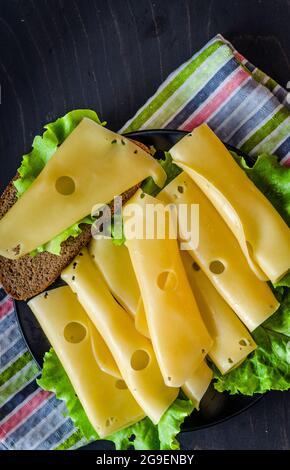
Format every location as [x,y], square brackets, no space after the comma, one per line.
[285,281]
[54,245]
[267,368]
[169,424]
[171,170]
[280,321]
[43,148]
[143,435]
[140,436]
[272,179]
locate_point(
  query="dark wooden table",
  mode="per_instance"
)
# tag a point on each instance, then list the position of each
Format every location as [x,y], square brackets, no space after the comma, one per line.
[56,55]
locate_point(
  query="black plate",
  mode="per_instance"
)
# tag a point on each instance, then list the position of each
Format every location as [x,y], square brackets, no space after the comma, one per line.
[215,407]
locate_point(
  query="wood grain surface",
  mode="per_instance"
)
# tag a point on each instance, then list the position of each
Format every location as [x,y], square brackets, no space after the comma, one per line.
[110,55]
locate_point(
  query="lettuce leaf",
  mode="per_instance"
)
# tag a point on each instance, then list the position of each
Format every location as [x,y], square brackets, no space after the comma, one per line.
[54,245]
[280,321]
[171,170]
[143,435]
[272,179]
[267,368]
[140,436]
[169,425]
[43,148]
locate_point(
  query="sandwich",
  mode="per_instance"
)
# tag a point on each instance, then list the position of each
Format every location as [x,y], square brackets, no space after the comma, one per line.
[25,275]
[145,325]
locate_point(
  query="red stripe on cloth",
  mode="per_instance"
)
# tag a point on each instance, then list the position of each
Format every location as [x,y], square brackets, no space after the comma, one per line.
[22,413]
[6,307]
[239,56]
[209,108]
[286,161]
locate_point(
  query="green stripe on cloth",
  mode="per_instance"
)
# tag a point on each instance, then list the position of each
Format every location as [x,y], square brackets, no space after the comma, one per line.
[205,72]
[258,75]
[265,130]
[271,84]
[269,145]
[172,86]
[18,382]
[71,441]
[15,367]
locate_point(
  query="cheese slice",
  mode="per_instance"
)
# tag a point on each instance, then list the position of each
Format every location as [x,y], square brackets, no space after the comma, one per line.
[178,334]
[198,383]
[262,233]
[232,341]
[106,400]
[141,320]
[102,353]
[132,352]
[115,264]
[91,167]
[220,256]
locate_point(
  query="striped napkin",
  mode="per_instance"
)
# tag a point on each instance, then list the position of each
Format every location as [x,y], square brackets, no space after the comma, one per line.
[247,109]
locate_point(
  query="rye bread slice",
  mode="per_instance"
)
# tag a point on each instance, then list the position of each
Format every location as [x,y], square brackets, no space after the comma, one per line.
[28,276]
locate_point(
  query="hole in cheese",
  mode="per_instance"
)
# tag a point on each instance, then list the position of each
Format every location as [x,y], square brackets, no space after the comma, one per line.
[140,359]
[217,267]
[180,189]
[195,266]
[74,332]
[167,280]
[65,185]
[121,385]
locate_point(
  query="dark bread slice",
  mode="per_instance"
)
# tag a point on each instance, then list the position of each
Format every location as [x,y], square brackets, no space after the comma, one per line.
[28,276]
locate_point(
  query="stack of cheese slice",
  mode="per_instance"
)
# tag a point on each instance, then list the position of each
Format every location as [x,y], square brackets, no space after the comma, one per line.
[219,254]
[262,234]
[144,316]
[115,264]
[177,331]
[132,352]
[106,400]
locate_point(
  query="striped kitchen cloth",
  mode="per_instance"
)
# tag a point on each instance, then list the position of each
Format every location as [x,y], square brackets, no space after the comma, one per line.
[247,109]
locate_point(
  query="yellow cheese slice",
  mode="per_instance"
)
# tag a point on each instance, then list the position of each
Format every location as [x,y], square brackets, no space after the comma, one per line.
[91,167]
[232,341]
[220,256]
[106,400]
[178,334]
[102,354]
[263,235]
[198,383]
[115,264]
[132,352]
[141,320]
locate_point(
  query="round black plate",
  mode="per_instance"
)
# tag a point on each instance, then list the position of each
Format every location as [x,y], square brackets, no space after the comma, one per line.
[215,407]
